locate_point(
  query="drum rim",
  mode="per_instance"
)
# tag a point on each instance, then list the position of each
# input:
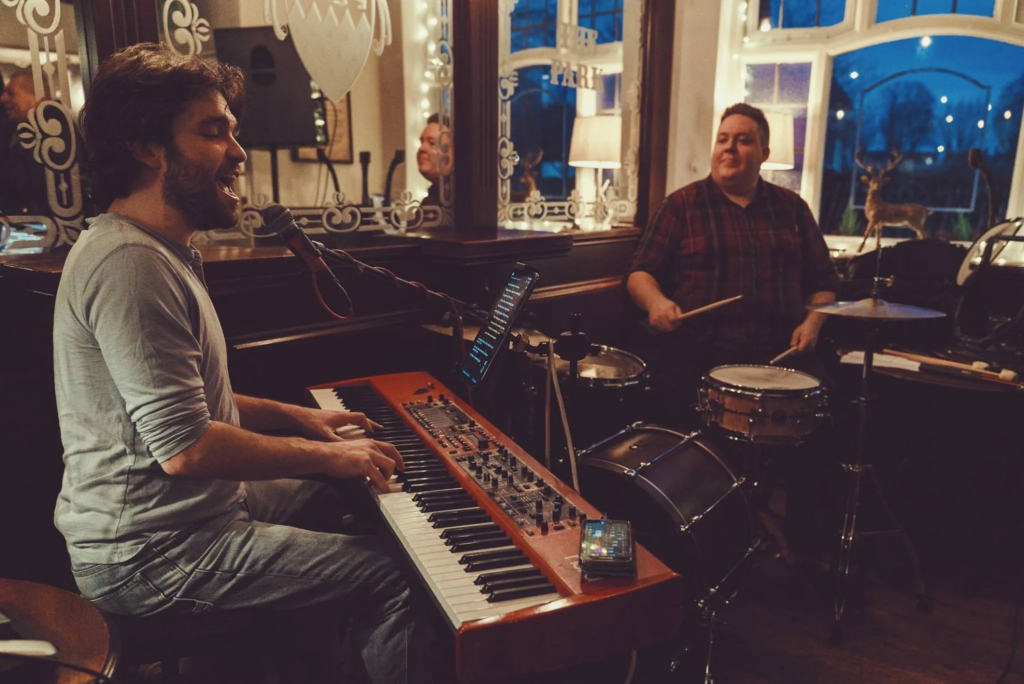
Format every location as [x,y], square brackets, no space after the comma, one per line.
[611,383]
[746,389]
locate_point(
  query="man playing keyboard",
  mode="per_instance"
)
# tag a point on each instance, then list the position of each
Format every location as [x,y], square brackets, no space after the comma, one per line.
[172,499]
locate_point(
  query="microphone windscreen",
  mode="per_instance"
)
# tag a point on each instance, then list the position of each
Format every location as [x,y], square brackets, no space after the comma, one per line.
[276,218]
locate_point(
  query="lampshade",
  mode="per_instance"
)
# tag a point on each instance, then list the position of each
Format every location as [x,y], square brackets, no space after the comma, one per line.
[596,142]
[782,157]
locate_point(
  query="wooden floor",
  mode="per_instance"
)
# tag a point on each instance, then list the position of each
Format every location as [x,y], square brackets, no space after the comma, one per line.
[777,630]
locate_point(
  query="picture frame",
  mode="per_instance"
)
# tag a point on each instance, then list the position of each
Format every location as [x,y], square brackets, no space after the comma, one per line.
[339,130]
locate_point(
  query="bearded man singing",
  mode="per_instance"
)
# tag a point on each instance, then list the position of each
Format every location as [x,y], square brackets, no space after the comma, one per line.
[172,499]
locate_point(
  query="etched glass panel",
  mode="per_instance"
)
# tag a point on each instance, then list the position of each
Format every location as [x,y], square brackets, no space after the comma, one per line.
[569,124]
[42,195]
[368,87]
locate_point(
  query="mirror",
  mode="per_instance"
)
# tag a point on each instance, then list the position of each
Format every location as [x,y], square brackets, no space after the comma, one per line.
[569,102]
[41,190]
[346,149]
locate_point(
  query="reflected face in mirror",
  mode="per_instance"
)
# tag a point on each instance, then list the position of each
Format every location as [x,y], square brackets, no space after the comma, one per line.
[19,97]
[203,162]
[738,154]
[428,156]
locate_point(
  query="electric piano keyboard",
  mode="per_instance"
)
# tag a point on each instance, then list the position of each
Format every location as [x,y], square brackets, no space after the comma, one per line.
[494,537]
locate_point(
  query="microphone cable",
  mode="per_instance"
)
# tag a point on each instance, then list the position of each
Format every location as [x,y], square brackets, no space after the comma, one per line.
[342,257]
[105,679]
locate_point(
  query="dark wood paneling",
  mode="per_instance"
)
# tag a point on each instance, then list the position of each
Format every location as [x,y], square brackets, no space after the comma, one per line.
[476,115]
[655,105]
[106,26]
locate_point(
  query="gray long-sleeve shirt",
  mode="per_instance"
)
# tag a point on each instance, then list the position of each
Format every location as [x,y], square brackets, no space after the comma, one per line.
[140,367]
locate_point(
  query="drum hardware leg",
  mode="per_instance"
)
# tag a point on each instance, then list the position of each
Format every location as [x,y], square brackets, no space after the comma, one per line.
[848,533]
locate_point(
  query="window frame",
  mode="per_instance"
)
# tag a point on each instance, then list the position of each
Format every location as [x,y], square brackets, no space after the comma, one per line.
[741,43]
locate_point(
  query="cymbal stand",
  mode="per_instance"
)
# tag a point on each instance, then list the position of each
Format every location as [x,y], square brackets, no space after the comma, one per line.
[856,471]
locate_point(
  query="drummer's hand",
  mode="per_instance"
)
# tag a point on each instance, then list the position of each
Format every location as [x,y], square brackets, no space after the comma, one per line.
[805,337]
[664,315]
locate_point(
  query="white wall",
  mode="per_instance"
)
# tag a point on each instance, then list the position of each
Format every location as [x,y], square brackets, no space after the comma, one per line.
[692,119]
[299,180]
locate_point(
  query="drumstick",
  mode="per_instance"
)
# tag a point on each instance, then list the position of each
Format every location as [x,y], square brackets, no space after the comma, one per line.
[788,352]
[1005,375]
[709,307]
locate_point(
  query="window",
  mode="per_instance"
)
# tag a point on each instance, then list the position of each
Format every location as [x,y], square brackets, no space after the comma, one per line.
[534,24]
[783,87]
[933,104]
[889,10]
[604,16]
[543,149]
[788,14]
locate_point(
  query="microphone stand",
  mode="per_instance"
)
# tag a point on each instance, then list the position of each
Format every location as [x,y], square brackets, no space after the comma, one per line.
[572,346]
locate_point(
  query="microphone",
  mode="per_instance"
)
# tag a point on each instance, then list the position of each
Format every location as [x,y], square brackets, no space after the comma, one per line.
[278,220]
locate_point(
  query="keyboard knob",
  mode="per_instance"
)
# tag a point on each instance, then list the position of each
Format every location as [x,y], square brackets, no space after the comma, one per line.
[511,459]
[540,481]
[559,500]
[430,398]
[572,512]
[483,443]
[485,455]
[556,515]
[543,526]
[547,490]
[583,516]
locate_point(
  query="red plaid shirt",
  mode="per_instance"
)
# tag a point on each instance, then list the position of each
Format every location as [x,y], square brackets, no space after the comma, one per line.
[702,247]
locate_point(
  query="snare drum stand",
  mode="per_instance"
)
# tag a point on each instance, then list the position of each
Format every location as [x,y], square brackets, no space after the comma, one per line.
[856,471]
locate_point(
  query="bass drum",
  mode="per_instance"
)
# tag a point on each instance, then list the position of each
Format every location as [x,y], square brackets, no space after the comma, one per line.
[685,503]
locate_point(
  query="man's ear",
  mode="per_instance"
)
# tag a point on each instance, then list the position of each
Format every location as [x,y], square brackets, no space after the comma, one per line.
[767,152]
[148,154]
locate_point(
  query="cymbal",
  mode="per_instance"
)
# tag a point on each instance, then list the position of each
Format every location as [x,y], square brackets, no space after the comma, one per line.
[876,309]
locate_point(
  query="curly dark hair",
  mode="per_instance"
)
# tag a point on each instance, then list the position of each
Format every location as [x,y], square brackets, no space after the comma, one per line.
[135,98]
[751,112]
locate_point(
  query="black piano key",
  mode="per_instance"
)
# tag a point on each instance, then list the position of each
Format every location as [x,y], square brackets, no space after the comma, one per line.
[521,592]
[428,486]
[440,524]
[478,537]
[449,505]
[456,515]
[518,583]
[470,531]
[507,575]
[508,562]
[424,497]
[474,545]
[451,531]
[490,555]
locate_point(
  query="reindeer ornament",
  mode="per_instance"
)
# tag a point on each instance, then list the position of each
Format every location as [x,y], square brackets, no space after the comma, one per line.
[879,212]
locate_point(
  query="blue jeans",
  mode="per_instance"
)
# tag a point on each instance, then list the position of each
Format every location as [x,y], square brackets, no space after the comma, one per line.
[255,559]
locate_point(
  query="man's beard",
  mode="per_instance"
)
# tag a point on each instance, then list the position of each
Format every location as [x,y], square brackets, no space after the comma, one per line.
[195,194]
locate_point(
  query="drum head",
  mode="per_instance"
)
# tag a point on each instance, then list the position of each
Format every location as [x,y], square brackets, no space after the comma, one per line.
[764,378]
[610,365]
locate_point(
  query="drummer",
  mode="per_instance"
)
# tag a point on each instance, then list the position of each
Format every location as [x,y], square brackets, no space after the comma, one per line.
[732,233]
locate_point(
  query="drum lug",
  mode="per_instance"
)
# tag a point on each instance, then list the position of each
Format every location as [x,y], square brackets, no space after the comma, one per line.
[693,521]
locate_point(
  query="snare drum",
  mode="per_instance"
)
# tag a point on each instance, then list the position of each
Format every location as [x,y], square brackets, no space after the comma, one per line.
[763,404]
